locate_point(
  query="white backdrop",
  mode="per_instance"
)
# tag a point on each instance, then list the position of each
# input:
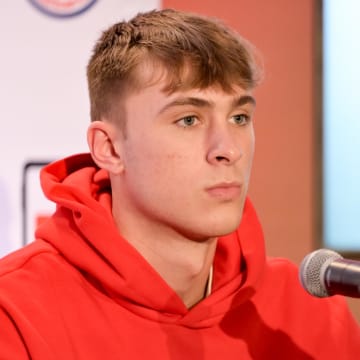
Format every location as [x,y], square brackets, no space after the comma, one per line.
[44,108]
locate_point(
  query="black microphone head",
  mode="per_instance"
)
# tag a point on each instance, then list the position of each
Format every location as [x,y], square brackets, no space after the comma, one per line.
[312,271]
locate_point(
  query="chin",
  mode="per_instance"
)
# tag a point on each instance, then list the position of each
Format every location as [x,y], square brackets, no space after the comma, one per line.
[211,225]
[208,232]
[224,224]
[221,229]
[226,230]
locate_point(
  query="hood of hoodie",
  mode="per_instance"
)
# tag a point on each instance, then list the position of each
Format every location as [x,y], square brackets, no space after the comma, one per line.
[83,231]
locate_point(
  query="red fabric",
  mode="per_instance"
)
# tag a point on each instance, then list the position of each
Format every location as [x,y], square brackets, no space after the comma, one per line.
[80,291]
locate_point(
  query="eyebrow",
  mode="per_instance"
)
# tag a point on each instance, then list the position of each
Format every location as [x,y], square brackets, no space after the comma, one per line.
[243,100]
[198,102]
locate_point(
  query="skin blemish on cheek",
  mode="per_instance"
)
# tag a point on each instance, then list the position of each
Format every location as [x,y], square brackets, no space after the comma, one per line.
[175,156]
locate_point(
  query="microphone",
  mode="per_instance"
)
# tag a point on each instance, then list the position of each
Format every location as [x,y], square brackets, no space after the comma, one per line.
[325,273]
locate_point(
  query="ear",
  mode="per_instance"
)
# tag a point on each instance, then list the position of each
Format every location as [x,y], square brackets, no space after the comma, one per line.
[104,140]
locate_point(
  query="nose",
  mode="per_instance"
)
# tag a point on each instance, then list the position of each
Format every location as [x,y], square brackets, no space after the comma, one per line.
[224,146]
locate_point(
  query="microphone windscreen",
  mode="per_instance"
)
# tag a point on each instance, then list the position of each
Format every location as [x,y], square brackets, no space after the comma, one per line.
[312,271]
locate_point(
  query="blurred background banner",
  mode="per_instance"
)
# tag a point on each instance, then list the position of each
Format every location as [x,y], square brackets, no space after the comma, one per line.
[63,8]
[45,46]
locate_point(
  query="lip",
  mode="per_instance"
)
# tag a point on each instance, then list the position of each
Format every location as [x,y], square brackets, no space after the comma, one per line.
[225,190]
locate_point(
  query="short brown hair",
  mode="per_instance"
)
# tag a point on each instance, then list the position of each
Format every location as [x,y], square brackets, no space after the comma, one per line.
[211,52]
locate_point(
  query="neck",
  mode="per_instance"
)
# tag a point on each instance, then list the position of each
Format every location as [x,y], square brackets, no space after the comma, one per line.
[184,266]
[183,263]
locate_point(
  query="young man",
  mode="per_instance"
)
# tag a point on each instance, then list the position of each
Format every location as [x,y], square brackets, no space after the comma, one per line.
[154,251]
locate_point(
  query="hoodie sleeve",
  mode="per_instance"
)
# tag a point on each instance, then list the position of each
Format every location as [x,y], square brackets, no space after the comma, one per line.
[12,346]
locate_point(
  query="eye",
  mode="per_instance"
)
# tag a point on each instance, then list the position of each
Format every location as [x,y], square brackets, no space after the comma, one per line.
[240,119]
[187,121]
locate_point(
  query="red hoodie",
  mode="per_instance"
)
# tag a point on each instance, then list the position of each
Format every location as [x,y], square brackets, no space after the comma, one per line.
[81,291]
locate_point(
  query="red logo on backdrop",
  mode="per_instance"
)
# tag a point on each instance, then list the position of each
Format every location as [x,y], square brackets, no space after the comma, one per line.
[35,207]
[62,8]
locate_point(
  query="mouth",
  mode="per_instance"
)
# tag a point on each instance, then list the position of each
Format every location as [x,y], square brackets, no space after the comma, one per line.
[225,191]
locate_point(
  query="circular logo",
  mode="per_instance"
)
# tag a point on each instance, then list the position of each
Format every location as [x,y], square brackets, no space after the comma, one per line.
[62,8]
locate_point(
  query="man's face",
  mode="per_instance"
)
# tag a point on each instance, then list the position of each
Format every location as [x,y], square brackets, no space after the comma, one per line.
[187,160]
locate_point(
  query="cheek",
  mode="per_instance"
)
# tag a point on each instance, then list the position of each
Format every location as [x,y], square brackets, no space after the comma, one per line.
[157,164]
[249,150]
[172,168]
[161,183]
[163,152]
[251,145]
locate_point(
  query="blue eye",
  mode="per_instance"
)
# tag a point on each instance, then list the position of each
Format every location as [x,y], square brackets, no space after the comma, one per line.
[187,121]
[241,119]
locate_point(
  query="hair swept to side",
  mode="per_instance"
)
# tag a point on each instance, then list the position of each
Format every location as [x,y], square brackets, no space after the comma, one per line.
[195,52]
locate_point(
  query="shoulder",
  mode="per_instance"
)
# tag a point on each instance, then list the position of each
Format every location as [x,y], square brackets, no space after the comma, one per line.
[19,259]
[328,317]
[32,280]
[28,269]
[28,298]
[282,276]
